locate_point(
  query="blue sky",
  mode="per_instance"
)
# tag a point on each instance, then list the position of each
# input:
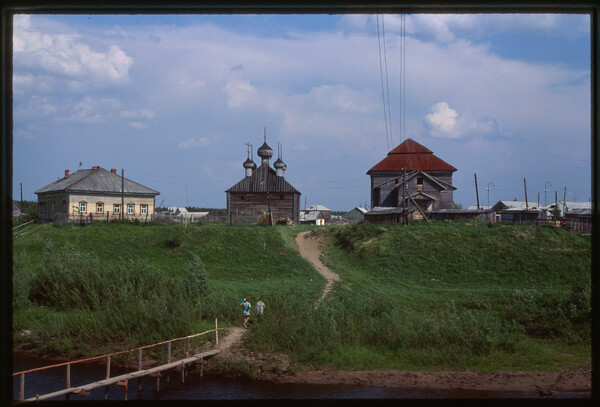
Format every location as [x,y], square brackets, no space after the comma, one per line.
[172,99]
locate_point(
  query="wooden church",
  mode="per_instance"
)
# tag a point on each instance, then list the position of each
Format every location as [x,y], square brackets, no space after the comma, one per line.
[263,191]
[411,175]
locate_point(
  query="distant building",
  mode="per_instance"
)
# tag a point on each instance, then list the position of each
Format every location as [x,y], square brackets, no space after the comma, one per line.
[326,212]
[565,207]
[518,211]
[263,191]
[355,215]
[95,195]
[181,214]
[312,217]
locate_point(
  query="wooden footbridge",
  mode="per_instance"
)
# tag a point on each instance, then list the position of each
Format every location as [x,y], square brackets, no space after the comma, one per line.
[123,380]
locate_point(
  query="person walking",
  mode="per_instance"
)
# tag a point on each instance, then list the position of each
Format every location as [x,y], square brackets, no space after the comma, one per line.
[246,310]
[260,308]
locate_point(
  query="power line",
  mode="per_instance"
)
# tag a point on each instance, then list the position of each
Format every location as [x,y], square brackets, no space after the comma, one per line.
[387,83]
[385,116]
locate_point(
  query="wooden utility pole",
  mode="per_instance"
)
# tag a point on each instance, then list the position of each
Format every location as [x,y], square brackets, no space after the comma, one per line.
[404,217]
[21,196]
[476,191]
[525,186]
[122,192]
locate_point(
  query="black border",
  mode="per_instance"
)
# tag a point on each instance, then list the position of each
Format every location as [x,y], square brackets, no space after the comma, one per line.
[11,7]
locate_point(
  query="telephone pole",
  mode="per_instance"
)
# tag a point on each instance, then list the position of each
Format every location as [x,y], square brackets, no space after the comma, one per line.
[476,190]
[488,191]
[122,193]
[404,217]
[545,189]
[525,186]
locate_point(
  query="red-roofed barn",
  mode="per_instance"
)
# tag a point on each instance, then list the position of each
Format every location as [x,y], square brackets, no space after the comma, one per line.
[428,179]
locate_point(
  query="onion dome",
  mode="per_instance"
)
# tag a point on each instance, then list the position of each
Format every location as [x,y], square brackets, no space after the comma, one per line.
[279,164]
[280,167]
[265,151]
[249,164]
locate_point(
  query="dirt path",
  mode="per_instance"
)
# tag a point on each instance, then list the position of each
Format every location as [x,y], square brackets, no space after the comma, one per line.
[309,249]
[233,338]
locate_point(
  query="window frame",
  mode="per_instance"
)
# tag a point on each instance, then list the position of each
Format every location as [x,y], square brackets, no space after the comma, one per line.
[82,207]
[117,209]
[143,209]
[130,209]
[100,208]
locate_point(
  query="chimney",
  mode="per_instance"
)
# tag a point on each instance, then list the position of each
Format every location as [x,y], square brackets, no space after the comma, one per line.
[95,168]
[113,170]
[66,173]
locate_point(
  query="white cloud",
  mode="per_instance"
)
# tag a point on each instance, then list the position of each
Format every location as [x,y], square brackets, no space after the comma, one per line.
[138,114]
[340,97]
[445,122]
[240,94]
[138,125]
[67,58]
[89,110]
[194,142]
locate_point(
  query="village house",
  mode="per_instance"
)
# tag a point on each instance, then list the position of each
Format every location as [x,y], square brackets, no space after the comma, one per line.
[263,192]
[95,195]
[410,175]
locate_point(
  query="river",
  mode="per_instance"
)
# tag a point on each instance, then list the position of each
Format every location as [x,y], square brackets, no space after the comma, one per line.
[218,388]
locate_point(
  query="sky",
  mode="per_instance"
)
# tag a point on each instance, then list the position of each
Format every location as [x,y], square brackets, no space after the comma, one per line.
[173,100]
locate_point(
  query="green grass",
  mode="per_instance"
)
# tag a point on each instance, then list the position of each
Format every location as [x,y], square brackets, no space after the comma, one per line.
[448,295]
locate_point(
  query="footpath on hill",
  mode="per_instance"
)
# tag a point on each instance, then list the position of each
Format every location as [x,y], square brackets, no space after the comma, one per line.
[543,384]
[309,250]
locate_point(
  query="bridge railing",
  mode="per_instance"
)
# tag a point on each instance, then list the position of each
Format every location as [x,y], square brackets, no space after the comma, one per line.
[108,359]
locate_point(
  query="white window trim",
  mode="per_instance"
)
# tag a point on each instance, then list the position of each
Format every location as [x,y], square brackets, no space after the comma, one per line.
[117,209]
[131,209]
[83,207]
[99,207]
[144,209]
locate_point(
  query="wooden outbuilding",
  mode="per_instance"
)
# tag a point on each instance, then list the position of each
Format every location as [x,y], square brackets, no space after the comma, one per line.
[453,214]
[383,215]
[355,215]
[579,220]
[263,192]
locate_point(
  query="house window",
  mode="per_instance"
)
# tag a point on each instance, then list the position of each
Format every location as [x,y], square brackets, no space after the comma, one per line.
[144,209]
[117,209]
[99,207]
[130,209]
[419,184]
[65,206]
[53,208]
[82,207]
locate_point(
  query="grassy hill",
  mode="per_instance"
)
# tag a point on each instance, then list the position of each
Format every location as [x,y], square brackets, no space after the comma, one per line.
[445,295]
